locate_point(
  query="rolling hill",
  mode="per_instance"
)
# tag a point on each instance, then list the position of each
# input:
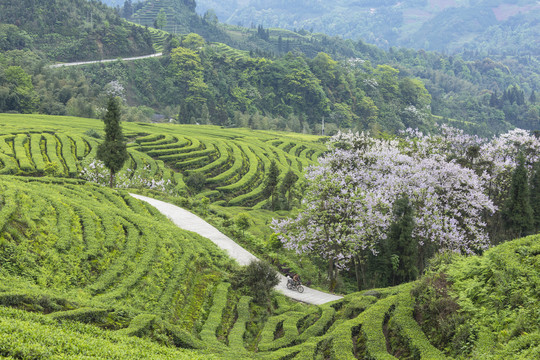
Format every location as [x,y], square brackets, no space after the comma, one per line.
[440,25]
[234,162]
[104,270]
[63,30]
[90,271]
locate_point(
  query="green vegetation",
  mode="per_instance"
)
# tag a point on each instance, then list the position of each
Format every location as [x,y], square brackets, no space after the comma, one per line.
[77,30]
[485,26]
[87,271]
[112,151]
[93,266]
[264,78]
[232,163]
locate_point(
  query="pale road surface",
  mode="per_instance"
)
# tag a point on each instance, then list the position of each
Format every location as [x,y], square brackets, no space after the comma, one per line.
[104,61]
[189,221]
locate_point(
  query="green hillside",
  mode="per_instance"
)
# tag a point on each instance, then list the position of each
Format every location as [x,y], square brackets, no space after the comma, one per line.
[176,17]
[440,25]
[93,268]
[84,253]
[233,162]
[90,271]
[63,30]
[264,78]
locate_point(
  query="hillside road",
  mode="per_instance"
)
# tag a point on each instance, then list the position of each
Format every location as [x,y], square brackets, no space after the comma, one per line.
[189,221]
[104,61]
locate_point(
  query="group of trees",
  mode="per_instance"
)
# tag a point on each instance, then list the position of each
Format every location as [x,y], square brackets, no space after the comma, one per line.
[384,206]
[210,83]
[76,30]
[348,84]
[16,90]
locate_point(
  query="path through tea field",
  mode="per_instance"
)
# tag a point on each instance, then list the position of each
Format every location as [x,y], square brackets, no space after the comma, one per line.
[189,221]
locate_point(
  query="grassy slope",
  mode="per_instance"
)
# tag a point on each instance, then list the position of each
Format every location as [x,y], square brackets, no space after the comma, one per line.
[234,161]
[87,264]
[89,254]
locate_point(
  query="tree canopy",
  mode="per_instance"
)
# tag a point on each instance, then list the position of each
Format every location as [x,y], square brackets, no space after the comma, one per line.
[112,151]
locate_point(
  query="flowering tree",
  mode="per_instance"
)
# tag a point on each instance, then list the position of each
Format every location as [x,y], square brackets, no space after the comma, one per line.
[141,178]
[348,207]
[331,224]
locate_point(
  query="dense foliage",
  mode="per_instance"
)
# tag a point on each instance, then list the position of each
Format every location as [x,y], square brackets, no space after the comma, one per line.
[82,258]
[476,307]
[70,30]
[455,184]
[294,92]
[112,151]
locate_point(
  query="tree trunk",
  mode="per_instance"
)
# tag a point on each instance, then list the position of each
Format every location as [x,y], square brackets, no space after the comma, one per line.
[358,274]
[331,275]
[363,270]
[111,179]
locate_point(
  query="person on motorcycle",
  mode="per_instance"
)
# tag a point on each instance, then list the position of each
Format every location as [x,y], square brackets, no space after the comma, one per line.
[296,279]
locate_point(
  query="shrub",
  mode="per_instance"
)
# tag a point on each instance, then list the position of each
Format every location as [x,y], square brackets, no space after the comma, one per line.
[92,133]
[439,316]
[196,181]
[259,278]
[242,221]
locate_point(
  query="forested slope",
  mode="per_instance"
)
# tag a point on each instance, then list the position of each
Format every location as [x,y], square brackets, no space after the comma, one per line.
[269,79]
[450,26]
[70,30]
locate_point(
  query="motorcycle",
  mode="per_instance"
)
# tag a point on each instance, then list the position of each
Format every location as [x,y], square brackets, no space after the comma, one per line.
[293,285]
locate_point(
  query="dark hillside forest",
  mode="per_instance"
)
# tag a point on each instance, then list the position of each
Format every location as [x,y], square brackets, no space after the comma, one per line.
[257,77]
[70,30]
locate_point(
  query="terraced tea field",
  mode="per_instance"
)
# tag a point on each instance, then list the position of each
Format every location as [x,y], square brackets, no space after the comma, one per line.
[86,271]
[234,162]
[75,253]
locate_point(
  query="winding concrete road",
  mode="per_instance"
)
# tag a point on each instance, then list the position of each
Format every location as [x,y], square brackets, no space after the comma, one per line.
[189,221]
[104,61]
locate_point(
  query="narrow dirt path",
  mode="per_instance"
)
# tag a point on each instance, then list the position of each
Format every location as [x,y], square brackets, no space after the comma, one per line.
[189,221]
[104,61]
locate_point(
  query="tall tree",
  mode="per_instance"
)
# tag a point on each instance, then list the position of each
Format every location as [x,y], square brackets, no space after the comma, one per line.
[517,212]
[113,151]
[128,9]
[535,196]
[270,187]
[532,98]
[403,248]
[161,19]
[329,225]
[286,186]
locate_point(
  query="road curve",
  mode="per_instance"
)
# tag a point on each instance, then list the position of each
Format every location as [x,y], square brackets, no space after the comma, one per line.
[189,221]
[104,61]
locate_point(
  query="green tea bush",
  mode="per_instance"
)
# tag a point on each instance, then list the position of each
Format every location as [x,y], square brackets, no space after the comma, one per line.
[405,324]
[35,151]
[259,278]
[236,335]
[195,181]
[208,332]
[439,315]
[19,143]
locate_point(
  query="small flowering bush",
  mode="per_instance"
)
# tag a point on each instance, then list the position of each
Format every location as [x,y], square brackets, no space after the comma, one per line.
[95,171]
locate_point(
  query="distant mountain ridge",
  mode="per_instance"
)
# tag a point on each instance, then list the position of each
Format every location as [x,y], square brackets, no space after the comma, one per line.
[442,25]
